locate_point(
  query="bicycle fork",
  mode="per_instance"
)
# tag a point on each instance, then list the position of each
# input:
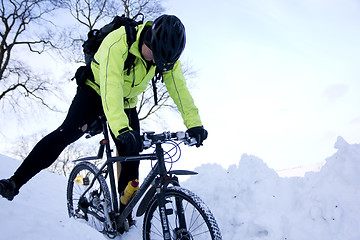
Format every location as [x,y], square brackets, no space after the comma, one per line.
[161,198]
[163,212]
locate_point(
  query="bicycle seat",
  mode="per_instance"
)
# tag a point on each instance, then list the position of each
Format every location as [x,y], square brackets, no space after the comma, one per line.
[95,128]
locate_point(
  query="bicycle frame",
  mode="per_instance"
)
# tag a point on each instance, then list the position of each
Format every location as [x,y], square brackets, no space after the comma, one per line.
[161,182]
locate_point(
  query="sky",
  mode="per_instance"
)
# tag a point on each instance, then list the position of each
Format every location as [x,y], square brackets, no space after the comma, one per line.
[274,75]
[275,79]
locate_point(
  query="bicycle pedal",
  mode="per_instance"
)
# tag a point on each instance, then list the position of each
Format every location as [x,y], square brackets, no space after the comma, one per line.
[126,226]
[132,222]
[169,211]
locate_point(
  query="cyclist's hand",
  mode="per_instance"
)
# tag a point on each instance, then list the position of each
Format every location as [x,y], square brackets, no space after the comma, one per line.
[132,142]
[199,133]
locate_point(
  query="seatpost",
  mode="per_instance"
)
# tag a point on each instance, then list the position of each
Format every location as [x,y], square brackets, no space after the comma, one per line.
[105,141]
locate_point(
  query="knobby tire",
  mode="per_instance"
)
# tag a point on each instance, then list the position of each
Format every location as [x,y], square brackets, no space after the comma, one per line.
[90,208]
[200,223]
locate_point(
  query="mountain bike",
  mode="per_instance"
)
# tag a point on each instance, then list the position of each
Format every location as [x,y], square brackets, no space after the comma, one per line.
[170,211]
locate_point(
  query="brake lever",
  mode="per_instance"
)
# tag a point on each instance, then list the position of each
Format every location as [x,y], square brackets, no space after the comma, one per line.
[184,136]
[146,141]
[191,142]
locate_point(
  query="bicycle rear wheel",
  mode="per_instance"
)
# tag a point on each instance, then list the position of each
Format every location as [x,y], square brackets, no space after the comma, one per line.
[93,206]
[189,218]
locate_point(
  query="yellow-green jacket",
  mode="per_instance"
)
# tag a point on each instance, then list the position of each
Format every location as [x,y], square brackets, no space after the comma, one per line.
[114,85]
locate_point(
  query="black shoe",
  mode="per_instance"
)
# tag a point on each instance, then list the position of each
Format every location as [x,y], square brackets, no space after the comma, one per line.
[127,224]
[8,189]
[131,221]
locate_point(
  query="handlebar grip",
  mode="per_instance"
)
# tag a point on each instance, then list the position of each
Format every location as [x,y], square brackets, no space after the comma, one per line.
[184,136]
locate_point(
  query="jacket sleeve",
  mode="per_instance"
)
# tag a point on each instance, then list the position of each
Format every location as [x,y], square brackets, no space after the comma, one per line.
[111,57]
[178,91]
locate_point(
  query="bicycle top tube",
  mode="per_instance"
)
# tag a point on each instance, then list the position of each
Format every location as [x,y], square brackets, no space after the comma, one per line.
[133,158]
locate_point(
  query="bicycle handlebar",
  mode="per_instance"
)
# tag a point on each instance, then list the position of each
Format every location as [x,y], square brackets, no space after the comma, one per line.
[150,138]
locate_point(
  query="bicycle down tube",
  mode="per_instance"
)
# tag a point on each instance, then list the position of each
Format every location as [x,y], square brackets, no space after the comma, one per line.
[158,196]
[158,169]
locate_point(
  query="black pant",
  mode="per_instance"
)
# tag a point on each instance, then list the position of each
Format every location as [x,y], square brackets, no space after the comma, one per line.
[85,109]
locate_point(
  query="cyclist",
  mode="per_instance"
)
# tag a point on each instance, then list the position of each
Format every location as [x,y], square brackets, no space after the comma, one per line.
[158,44]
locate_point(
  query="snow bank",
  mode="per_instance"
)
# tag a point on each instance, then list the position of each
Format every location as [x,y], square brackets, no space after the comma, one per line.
[39,212]
[249,201]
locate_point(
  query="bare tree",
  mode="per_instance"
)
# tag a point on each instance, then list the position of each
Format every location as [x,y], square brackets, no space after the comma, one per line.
[150,8]
[147,107]
[20,31]
[91,13]
[88,14]
[64,164]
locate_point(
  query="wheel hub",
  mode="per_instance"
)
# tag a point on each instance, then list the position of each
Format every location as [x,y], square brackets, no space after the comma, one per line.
[183,234]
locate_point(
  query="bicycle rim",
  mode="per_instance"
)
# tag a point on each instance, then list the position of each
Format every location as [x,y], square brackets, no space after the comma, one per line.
[90,207]
[200,223]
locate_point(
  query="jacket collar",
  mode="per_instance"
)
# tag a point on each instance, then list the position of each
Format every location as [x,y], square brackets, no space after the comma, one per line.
[134,49]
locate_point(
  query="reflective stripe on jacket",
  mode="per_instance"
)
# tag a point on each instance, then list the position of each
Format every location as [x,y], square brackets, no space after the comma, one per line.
[114,85]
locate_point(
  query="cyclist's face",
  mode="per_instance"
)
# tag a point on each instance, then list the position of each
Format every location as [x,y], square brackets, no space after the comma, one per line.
[147,53]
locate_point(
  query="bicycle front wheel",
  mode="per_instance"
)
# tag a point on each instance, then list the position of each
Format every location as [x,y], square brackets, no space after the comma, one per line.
[88,197]
[188,217]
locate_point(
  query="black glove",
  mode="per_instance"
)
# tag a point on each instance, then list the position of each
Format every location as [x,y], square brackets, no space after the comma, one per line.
[132,142]
[199,133]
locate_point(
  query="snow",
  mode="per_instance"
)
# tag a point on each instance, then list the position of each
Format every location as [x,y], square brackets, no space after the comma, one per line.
[249,201]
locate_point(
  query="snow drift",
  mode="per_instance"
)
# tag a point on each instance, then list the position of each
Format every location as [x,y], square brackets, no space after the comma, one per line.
[249,201]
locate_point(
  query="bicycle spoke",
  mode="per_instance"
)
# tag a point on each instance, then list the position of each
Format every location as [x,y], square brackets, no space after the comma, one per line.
[87,194]
[187,217]
[198,225]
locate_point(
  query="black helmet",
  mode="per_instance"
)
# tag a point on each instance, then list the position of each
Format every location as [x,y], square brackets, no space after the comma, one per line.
[167,41]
